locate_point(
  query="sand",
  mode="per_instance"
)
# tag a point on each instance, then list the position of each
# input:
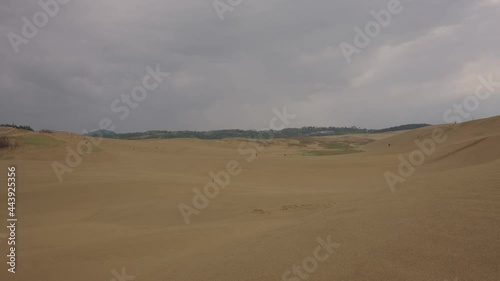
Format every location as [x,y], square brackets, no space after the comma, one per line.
[119,209]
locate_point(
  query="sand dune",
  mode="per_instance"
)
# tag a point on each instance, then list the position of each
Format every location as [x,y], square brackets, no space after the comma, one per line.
[120,208]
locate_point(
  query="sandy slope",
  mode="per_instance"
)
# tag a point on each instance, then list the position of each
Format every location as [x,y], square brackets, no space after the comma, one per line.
[119,208]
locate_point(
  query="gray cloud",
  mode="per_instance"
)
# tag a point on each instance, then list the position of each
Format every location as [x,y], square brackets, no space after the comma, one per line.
[231,73]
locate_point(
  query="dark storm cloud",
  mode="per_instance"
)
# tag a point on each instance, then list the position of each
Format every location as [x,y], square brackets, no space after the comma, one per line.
[232,73]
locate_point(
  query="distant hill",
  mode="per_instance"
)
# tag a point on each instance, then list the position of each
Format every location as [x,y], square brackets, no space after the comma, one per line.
[102,133]
[251,134]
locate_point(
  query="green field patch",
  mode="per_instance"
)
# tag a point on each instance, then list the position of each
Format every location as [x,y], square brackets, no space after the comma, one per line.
[338,146]
[332,148]
[41,140]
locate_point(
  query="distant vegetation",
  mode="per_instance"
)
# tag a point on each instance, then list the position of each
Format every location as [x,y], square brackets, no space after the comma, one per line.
[28,128]
[251,134]
[403,127]
[4,142]
[8,142]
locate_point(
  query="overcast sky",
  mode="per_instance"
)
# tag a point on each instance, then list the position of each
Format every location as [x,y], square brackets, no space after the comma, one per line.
[231,73]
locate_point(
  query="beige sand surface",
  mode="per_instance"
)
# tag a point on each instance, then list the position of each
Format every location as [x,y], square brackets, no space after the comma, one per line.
[119,209]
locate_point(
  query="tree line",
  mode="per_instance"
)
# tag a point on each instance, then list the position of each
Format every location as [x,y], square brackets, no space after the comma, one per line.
[251,134]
